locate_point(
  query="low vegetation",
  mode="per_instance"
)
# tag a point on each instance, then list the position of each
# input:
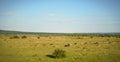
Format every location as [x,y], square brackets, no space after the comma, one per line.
[24,37]
[66,47]
[59,53]
[14,37]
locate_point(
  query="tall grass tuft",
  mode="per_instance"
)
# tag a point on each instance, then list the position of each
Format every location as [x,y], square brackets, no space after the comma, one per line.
[59,53]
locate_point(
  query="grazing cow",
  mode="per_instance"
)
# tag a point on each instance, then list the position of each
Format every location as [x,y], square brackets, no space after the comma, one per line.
[55,46]
[109,42]
[75,43]
[44,44]
[67,45]
[51,44]
[37,45]
[83,43]
[95,43]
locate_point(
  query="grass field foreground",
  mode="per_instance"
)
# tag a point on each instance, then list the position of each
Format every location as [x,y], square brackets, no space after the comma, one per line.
[35,48]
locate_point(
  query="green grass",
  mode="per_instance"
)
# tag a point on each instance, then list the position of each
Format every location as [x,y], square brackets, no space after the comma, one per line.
[33,49]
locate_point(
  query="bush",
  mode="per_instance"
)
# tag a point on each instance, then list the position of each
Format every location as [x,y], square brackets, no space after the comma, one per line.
[23,37]
[11,37]
[91,37]
[58,53]
[38,37]
[16,37]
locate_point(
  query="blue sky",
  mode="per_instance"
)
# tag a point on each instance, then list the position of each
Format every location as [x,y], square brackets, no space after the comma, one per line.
[64,16]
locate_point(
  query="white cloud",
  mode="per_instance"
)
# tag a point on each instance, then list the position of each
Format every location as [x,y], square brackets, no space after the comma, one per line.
[51,14]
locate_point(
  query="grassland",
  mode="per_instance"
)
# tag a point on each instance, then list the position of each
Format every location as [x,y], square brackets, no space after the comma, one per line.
[35,48]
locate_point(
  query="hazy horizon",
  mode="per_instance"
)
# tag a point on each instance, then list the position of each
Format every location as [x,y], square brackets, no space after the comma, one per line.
[60,16]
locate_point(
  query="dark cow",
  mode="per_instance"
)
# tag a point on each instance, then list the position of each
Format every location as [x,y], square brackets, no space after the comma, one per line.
[95,43]
[67,45]
[75,43]
[51,44]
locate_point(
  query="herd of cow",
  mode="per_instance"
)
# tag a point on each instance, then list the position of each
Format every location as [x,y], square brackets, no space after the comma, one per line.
[68,44]
[76,43]
[54,45]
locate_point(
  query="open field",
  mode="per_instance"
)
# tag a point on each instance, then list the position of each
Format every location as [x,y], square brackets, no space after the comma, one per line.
[35,48]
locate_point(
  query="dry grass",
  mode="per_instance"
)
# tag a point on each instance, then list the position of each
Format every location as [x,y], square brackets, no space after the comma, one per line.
[32,49]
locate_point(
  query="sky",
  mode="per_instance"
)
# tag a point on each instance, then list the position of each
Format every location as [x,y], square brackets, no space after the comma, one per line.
[60,16]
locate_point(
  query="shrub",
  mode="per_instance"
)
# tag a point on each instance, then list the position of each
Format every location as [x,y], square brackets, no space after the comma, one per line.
[58,53]
[16,37]
[11,37]
[23,37]
[91,37]
[38,37]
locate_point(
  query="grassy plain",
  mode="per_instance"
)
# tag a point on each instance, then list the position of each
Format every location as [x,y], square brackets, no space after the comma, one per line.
[35,48]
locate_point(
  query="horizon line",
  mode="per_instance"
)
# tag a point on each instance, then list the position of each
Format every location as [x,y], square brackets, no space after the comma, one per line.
[54,32]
